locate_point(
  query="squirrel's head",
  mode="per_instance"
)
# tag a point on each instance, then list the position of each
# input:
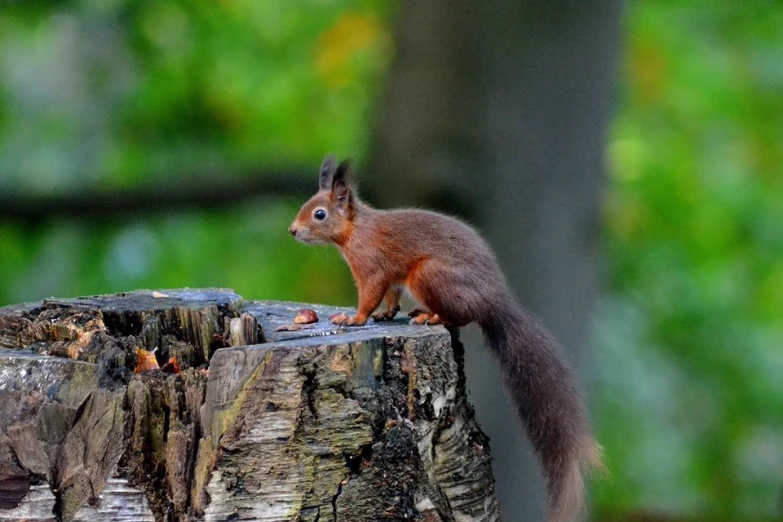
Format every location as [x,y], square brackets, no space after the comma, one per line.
[327,216]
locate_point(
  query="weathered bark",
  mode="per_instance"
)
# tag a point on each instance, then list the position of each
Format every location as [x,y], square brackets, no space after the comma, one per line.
[322,423]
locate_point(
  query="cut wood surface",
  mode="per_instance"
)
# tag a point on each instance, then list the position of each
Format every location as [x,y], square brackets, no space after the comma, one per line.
[313,423]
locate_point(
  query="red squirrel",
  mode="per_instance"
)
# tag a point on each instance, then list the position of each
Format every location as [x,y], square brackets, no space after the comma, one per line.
[452,272]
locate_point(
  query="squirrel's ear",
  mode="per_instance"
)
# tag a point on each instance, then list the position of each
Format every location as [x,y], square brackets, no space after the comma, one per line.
[343,172]
[341,186]
[328,168]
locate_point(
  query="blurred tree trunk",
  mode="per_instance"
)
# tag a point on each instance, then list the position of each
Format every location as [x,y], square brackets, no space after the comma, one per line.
[497,111]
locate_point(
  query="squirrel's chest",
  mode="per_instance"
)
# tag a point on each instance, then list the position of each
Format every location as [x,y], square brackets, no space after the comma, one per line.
[371,263]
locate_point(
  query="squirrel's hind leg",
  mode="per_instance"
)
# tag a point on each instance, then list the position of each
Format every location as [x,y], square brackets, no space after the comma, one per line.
[418,311]
[426,318]
[446,296]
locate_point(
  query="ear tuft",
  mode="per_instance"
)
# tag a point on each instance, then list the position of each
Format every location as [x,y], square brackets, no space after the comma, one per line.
[344,172]
[328,169]
[342,190]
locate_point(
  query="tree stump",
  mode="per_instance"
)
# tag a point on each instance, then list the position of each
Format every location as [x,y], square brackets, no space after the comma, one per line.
[321,423]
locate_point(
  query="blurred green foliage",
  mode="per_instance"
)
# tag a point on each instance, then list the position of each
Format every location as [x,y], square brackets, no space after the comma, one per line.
[101,94]
[690,403]
[105,95]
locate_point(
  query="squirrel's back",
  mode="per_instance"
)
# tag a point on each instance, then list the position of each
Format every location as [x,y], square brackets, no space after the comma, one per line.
[444,263]
[428,235]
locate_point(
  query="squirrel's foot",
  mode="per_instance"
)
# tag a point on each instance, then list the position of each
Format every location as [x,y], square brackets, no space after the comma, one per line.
[346,320]
[427,318]
[386,315]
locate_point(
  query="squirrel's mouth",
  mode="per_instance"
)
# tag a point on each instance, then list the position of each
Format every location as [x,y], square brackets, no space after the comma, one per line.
[308,240]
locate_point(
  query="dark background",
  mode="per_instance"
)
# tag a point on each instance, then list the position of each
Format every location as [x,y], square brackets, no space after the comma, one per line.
[624,159]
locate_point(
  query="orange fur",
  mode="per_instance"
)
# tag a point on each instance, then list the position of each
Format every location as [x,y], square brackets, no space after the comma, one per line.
[452,272]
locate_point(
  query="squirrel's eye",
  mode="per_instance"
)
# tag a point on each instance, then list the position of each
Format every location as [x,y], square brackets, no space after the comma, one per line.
[319,214]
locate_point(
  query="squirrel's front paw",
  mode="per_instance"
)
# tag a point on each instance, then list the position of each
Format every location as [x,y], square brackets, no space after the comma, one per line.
[386,315]
[345,320]
[357,320]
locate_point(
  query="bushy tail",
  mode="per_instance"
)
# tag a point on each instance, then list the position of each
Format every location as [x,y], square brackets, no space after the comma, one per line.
[544,391]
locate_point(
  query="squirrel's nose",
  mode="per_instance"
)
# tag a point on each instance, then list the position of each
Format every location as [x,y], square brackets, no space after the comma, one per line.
[292,229]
